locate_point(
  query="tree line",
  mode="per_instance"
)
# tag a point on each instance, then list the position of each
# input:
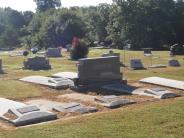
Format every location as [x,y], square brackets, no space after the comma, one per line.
[157,24]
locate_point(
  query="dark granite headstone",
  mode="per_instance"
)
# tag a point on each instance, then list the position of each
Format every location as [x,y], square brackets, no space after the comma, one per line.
[136,64]
[54,52]
[94,70]
[174,63]
[1,68]
[37,63]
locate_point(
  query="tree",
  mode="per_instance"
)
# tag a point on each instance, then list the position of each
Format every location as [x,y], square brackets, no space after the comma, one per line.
[44,5]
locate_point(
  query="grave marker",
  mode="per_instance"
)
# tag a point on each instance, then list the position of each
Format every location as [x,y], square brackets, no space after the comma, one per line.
[174,63]
[136,64]
[54,52]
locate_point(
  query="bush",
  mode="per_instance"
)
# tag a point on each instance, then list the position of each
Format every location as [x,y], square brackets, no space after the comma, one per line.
[79,50]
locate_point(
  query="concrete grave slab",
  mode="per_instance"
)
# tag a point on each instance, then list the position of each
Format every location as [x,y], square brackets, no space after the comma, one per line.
[44,104]
[113,101]
[136,64]
[6,104]
[29,115]
[68,75]
[174,63]
[75,108]
[158,66]
[78,96]
[50,82]
[20,114]
[119,87]
[158,93]
[164,82]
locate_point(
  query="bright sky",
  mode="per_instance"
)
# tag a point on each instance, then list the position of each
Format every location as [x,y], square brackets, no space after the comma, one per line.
[23,5]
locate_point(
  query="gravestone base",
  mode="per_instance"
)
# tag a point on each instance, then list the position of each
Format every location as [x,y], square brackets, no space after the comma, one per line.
[95,86]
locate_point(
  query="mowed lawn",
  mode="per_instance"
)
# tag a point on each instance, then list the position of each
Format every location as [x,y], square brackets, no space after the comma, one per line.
[155,119]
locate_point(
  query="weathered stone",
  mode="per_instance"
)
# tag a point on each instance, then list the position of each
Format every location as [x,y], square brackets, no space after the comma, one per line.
[136,64]
[164,82]
[6,104]
[158,93]
[68,75]
[33,118]
[158,66]
[119,87]
[37,63]
[54,52]
[94,70]
[174,63]
[74,108]
[113,101]
[147,51]
[50,82]
[27,109]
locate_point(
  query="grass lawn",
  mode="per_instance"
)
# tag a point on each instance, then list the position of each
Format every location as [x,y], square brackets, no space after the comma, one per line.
[154,119]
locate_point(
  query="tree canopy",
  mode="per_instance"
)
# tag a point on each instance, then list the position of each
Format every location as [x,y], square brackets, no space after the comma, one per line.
[142,23]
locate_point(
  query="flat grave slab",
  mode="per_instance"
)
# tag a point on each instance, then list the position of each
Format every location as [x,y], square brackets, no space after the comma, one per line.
[158,66]
[174,63]
[20,114]
[164,82]
[136,64]
[158,93]
[44,104]
[119,87]
[74,108]
[68,75]
[113,101]
[79,97]
[50,82]
[6,104]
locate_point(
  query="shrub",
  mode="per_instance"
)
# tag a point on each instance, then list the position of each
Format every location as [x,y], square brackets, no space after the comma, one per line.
[79,50]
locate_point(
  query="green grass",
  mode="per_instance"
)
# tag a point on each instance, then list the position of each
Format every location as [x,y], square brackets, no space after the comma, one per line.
[155,120]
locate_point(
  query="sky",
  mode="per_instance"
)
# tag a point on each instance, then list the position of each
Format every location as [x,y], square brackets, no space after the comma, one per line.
[24,5]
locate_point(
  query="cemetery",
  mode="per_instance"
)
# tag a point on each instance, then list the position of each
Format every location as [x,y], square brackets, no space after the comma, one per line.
[87,87]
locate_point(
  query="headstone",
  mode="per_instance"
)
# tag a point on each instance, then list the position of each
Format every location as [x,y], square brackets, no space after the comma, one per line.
[174,63]
[50,82]
[147,51]
[164,82]
[136,64]
[111,54]
[37,63]
[113,101]
[74,108]
[158,93]
[103,69]
[54,52]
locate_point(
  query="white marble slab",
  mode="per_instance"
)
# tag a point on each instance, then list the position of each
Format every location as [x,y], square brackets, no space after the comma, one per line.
[164,82]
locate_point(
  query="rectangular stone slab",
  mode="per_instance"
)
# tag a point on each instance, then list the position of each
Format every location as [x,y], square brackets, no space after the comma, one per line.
[47,81]
[164,94]
[164,82]
[28,109]
[6,104]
